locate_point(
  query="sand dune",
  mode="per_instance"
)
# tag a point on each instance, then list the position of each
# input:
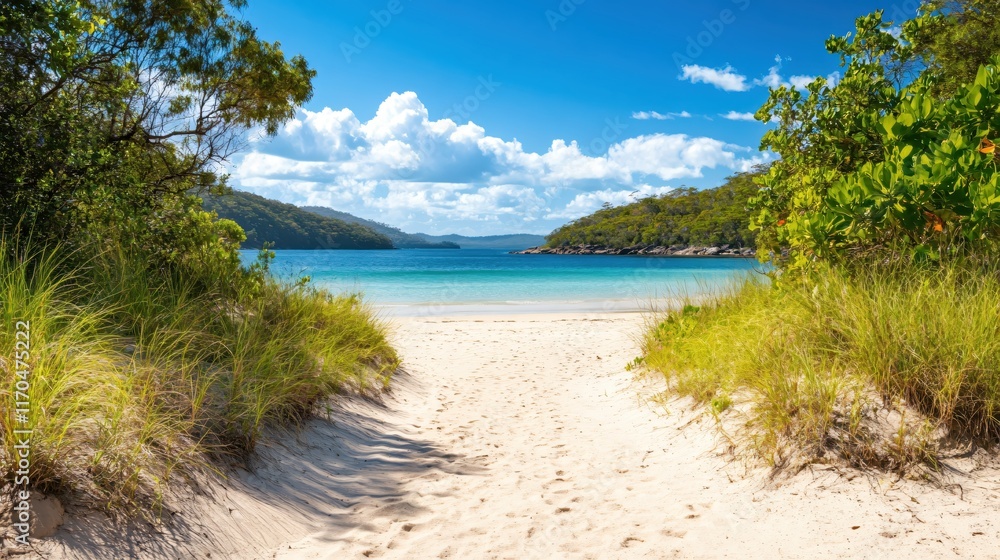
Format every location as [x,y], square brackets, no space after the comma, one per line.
[523,437]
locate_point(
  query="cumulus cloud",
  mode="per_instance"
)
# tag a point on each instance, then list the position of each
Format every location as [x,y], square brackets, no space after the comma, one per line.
[405,168]
[646,115]
[737,116]
[728,79]
[725,78]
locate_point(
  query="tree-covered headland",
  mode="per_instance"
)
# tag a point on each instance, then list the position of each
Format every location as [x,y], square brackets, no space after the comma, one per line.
[150,351]
[286,226]
[875,340]
[685,216]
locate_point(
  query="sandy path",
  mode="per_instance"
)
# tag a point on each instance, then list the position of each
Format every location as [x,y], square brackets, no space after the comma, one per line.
[549,452]
[524,437]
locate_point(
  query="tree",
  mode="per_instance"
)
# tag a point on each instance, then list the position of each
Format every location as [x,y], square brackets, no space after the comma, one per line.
[824,132]
[112,111]
[954,39]
[871,166]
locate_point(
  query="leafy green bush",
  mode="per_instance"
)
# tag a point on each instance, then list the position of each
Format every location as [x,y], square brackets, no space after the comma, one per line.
[870,167]
[112,111]
[934,190]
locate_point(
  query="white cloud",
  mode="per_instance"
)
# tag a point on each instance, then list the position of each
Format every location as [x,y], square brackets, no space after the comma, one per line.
[801,82]
[586,203]
[646,115]
[725,79]
[773,78]
[737,116]
[405,168]
[672,156]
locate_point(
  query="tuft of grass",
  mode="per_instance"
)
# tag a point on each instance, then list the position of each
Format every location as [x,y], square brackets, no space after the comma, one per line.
[138,375]
[876,366]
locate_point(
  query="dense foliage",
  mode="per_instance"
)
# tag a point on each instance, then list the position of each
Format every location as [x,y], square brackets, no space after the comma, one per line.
[878,333]
[400,239]
[290,227]
[868,167]
[111,111]
[686,216]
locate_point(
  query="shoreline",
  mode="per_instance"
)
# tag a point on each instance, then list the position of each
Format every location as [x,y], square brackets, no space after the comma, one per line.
[721,251]
[521,309]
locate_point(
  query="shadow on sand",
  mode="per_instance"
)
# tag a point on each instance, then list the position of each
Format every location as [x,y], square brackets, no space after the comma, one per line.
[311,482]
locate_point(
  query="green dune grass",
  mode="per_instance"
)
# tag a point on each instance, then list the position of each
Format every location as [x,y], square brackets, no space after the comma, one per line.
[880,367]
[138,376]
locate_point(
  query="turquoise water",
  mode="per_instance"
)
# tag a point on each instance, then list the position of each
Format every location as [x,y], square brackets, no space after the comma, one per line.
[493,278]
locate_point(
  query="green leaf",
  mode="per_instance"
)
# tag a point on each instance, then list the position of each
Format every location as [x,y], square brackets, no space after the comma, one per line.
[888,122]
[975,97]
[982,77]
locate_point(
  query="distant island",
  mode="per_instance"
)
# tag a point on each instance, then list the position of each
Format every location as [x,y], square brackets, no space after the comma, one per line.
[683,222]
[509,241]
[289,227]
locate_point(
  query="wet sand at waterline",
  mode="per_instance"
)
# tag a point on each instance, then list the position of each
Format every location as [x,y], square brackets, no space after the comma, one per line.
[523,436]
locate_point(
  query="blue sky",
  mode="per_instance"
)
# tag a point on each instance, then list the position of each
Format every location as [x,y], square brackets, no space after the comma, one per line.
[516,116]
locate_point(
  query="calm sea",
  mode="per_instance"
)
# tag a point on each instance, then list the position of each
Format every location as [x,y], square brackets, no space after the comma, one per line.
[422,281]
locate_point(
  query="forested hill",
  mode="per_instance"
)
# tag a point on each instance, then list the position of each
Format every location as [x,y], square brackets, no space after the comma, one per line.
[290,227]
[400,239]
[689,217]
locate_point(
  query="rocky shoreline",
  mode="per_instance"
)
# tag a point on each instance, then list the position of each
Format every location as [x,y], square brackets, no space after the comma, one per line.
[648,250]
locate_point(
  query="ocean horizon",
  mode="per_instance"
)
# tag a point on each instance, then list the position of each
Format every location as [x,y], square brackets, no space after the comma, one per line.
[442,281]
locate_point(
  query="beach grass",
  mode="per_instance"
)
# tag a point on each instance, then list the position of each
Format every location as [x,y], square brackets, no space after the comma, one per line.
[879,366]
[137,375]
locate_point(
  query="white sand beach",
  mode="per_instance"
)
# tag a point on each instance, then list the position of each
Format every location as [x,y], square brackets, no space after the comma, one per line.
[523,436]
